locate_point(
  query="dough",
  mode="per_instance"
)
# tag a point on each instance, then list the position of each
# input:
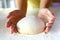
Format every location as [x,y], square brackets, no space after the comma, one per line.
[30,25]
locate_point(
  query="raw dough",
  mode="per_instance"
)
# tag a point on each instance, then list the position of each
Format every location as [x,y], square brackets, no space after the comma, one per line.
[30,25]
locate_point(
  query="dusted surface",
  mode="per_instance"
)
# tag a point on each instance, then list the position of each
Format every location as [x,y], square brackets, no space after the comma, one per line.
[54,33]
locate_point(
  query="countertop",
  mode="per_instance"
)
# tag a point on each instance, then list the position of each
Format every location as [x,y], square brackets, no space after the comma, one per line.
[54,33]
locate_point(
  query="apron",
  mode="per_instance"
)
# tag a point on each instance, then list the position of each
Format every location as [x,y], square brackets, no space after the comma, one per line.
[34,3]
[33,7]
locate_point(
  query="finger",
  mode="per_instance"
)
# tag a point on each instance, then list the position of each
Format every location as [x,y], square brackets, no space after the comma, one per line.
[49,25]
[13,13]
[13,20]
[8,24]
[14,29]
[9,15]
[50,14]
[50,22]
[47,30]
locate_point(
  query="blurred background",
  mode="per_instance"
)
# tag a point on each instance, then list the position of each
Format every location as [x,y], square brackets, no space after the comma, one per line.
[7,3]
[11,3]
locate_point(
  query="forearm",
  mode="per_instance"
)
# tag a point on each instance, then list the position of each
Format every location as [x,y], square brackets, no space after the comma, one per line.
[22,6]
[45,3]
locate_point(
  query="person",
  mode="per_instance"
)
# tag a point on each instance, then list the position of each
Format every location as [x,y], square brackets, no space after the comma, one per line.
[17,15]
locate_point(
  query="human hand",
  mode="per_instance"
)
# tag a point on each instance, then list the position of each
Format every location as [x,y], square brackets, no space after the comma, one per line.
[48,17]
[13,18]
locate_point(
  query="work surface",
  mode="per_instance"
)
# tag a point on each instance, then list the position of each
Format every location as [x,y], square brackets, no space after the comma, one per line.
[54,33]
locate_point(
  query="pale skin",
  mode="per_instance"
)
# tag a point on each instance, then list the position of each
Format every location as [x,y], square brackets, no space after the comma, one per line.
[16,15]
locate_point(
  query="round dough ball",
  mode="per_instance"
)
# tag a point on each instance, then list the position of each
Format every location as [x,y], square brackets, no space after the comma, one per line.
[30,25]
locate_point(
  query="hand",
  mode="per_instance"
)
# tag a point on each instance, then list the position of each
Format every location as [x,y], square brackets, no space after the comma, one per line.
[13,18]
[48,17]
